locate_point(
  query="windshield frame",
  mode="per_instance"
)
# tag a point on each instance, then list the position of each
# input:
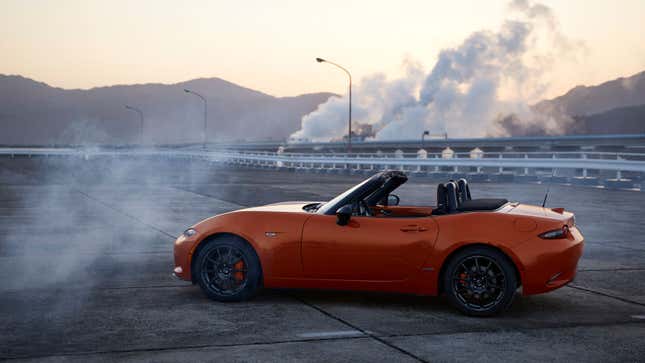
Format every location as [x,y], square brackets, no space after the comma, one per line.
[360,190]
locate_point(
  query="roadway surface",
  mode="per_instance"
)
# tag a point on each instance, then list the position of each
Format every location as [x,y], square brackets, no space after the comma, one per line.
[86,255]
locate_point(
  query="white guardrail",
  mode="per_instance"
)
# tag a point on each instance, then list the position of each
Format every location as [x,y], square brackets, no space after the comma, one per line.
[633,162]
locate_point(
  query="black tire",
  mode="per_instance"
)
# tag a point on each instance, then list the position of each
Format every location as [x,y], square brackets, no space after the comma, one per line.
[221,276]
[480,281]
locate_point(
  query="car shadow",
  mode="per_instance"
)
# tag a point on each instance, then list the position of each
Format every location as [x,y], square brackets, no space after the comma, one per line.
[522,306]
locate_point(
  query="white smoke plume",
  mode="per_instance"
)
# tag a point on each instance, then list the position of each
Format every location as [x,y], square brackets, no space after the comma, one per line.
[490,77]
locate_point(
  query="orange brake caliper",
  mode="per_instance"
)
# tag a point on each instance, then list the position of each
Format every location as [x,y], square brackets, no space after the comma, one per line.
[462,279]
[239,275]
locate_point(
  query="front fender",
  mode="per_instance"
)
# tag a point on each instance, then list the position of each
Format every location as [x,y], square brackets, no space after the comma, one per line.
[275,237]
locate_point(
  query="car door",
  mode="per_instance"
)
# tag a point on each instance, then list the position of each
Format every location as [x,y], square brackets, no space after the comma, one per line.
[368,248]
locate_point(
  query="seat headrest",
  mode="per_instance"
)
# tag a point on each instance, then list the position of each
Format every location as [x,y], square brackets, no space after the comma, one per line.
[451,197]
[463,190]
[442,202]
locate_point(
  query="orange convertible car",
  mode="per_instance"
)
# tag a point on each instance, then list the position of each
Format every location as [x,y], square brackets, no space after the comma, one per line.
[479,252]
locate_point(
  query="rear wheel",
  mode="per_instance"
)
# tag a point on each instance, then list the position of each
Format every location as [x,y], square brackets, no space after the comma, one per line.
[228,269]
[480,281]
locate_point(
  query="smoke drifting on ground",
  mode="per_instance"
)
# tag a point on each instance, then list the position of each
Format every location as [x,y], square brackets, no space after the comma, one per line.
[474,89]
[92,212]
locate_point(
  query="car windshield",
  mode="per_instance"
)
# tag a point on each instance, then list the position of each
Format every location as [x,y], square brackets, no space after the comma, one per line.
[324,209]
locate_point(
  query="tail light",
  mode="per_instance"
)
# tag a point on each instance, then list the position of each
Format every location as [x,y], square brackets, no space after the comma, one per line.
[556,233]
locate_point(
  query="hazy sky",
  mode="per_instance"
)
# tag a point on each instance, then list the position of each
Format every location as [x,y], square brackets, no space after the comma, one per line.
[271,45]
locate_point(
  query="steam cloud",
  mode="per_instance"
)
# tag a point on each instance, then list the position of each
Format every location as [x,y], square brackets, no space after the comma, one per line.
[478,88]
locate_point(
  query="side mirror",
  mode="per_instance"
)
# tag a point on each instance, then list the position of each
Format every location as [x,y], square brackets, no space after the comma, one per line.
[393,199]
[343,214]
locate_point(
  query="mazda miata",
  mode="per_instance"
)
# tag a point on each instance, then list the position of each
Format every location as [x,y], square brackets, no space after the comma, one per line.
[480,253]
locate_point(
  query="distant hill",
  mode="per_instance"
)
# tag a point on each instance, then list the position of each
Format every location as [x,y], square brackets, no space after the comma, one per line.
[34,113]
[621,120]
[613,107]
[583,100]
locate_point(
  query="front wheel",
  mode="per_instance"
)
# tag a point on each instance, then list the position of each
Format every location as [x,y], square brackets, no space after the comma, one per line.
[480,281]
[228,269]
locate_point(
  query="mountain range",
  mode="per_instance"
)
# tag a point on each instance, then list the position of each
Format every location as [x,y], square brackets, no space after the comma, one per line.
[613,107]
[34,113]
[584,100]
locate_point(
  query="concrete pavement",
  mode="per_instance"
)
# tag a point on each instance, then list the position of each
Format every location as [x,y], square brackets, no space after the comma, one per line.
[86,253]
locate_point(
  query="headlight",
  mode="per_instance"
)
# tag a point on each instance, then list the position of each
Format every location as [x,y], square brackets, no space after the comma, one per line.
[189,232]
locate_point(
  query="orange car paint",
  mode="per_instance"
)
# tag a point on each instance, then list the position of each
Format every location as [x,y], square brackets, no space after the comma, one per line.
[400,249]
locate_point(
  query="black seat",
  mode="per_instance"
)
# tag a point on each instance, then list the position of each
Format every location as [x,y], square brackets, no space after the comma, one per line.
[463,193]
[446,198]
[453,197]
[467,203]
[442,202]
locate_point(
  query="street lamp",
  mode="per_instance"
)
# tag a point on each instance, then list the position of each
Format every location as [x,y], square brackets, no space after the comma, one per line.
[205,135]
[425,133]
[349,123]
[140,121]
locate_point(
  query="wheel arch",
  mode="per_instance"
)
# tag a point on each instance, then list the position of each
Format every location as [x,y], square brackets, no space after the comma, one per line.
[214,237]
[517,267]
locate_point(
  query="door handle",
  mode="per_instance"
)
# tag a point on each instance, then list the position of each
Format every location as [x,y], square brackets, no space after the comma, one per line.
[413,228]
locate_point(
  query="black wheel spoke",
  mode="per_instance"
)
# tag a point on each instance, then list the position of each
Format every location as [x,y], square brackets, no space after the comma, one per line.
[219,256]
[229,255]
[478,282]
[220,272]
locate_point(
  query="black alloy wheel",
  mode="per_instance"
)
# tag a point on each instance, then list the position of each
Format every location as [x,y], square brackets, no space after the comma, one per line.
[228,270]
[480,281]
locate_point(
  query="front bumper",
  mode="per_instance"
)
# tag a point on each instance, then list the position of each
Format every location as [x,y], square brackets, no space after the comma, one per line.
[175,273]
[182,251]
[550,264]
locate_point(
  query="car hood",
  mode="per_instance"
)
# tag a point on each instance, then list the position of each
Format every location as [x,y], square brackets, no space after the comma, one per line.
[296,206]
[242,220]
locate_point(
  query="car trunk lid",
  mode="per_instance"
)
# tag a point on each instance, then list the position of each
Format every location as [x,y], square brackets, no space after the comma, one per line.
[557,214]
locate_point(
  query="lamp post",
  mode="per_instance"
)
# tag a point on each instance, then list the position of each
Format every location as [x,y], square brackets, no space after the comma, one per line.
[349,122]
[205,136]
[423,135]
[140,121]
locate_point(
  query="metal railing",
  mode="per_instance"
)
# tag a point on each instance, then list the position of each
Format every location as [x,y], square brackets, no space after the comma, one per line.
[587,160]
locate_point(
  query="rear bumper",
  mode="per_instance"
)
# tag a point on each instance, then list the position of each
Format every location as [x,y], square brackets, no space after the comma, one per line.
[550,264]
